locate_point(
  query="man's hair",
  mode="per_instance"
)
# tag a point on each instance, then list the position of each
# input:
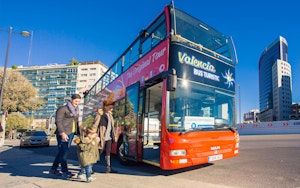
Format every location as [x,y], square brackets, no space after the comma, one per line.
[75,96]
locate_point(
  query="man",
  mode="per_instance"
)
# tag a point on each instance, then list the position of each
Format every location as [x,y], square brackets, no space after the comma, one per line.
[67,126]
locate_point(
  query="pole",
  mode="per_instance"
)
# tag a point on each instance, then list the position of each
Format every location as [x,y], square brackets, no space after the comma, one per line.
[2,137]
[3,125]
[5,68]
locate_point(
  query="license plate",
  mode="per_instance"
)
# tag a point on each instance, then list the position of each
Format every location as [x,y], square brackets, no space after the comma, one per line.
[215,157]
[35,142]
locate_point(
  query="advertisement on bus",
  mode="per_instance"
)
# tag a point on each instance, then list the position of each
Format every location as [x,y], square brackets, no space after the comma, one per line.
[147,67]
[201,68]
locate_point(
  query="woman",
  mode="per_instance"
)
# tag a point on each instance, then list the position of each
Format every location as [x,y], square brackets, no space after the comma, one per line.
[106,133]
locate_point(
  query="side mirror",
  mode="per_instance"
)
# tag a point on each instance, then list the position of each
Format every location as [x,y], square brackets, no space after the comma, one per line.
[172,81]
[85,93]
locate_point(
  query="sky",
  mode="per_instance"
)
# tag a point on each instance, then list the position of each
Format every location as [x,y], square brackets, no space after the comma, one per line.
[90,30]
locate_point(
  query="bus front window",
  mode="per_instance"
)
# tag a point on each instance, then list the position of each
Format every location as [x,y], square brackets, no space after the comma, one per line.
[194,106]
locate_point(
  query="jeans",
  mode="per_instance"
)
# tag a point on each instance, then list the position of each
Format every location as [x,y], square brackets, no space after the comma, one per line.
[62,155]
[87,169]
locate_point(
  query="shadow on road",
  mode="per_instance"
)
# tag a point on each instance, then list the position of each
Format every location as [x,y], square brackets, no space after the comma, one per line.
[36,161]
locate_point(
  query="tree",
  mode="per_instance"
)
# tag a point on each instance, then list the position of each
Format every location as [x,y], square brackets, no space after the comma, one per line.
[19,94]
[16,121]
[14,67]
[73,61]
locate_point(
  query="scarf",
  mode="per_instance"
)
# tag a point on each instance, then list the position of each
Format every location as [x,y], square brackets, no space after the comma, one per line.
[109,127]
[74,111]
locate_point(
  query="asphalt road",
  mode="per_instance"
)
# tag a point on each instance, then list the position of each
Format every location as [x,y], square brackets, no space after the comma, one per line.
[264,161]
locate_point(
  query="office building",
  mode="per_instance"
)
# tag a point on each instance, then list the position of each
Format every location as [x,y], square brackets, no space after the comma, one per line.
[275,82]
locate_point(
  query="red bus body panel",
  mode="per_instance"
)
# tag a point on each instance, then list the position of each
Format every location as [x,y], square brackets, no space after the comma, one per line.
[199,146]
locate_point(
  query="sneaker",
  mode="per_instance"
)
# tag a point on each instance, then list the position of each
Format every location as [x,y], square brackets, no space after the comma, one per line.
[67,175]
[54,172]
[70,173]
[90,179]
[80,176]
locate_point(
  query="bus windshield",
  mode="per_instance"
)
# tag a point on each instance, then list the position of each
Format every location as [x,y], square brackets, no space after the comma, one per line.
[203,37]
[194,106]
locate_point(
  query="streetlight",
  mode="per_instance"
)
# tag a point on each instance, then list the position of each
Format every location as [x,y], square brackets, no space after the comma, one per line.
[25,34]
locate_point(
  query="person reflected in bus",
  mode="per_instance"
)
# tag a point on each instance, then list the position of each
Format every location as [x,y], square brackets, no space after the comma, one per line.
[106,133]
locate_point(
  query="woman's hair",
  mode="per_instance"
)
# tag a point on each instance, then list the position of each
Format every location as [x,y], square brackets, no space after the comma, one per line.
[108,102]
[75,96]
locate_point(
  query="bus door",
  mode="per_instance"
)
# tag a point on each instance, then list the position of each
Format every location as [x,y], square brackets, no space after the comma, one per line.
[152,124]
[130,122]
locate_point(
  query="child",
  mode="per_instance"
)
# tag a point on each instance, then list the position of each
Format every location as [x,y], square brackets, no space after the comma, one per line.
[87,151]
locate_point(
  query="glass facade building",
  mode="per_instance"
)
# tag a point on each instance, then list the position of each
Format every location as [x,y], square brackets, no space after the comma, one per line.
[275,82]
[54,83]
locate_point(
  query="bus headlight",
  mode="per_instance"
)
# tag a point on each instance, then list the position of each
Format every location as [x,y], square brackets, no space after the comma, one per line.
[178,152]
[237,145]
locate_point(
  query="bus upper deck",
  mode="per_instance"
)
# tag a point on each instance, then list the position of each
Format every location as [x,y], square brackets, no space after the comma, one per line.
[183,29]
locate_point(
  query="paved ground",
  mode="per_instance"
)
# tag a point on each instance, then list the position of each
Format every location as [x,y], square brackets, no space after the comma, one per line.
[25,169]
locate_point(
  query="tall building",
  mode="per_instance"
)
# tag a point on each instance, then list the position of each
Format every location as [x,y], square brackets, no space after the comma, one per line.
[56,83]
[275,82]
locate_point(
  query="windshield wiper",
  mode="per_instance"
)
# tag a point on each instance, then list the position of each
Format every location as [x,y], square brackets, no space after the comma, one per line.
[232,129]
[227,127]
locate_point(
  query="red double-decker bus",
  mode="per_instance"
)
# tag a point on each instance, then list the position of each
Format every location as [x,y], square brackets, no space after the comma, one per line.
[174,94]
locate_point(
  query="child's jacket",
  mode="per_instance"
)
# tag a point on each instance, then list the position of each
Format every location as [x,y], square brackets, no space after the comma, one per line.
[87,151]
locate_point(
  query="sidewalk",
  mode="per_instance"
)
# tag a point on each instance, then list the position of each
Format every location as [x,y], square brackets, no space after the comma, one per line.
[21,168]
